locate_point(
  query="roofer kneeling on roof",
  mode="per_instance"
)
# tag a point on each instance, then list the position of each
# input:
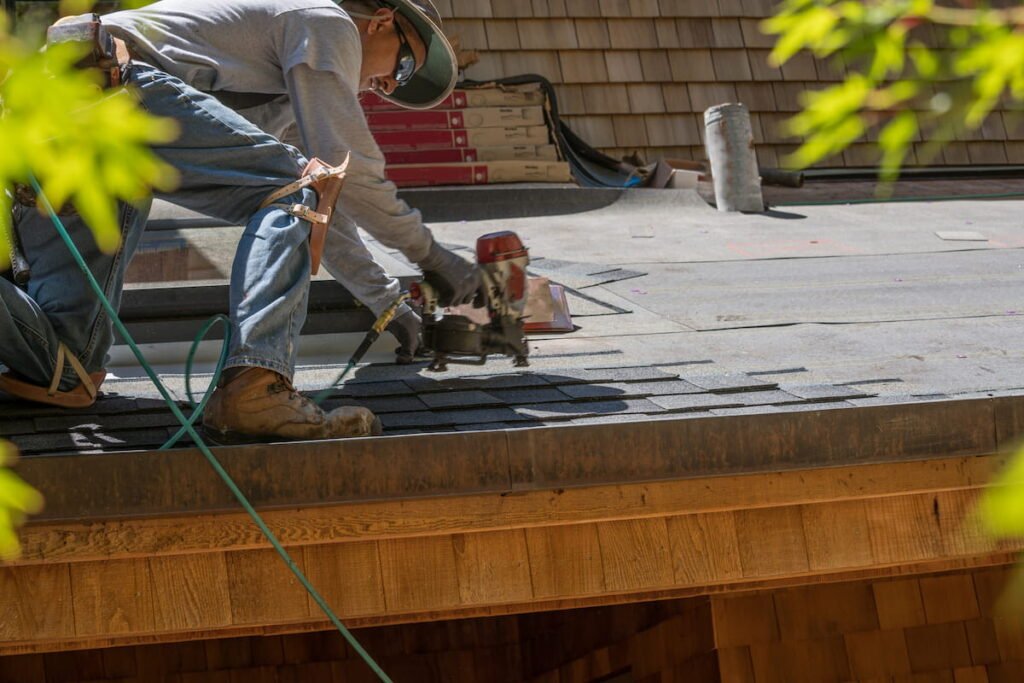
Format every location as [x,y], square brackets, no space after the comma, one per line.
[289,64]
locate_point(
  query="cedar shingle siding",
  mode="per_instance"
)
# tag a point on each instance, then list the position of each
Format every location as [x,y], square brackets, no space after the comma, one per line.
[636,75]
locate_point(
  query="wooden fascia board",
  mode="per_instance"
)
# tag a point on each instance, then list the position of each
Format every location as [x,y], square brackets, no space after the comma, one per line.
[399,580]
[65,541]
[95,487]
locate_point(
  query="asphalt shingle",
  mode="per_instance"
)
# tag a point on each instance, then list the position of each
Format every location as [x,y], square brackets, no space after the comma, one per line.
[643,373]
[366,389]
[564,376]
[687,402]
[486,426]
[766,409]
[729,382]
[631,389]
[423,418]
[392,404]
[459,399]
[768,397]
[481,415]
[109,422]
[572,410]
[824,392]
[533,395]
[585,391]
[12,427]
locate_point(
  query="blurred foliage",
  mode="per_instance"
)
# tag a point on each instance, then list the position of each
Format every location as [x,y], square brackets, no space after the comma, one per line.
[1002,513]
[17,499]
[1002,506]
[85,146]
[896,79]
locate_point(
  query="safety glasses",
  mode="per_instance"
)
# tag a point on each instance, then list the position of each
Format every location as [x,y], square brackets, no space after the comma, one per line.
[405,66]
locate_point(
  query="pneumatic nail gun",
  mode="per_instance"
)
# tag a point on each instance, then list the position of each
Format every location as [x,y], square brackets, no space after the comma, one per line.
[455,338]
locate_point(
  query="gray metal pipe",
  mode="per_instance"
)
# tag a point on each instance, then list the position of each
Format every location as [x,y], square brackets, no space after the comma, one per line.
[729,141]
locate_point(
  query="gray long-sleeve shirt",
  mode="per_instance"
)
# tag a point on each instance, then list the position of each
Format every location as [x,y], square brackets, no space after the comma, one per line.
[310,51]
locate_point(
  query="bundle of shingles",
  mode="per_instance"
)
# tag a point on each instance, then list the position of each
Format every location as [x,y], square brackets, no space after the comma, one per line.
[475,137]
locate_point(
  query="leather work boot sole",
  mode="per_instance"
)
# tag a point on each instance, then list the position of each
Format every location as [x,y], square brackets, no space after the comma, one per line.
[263,404]
[82,396]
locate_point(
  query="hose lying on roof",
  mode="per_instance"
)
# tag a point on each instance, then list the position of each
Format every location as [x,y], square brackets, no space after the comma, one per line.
[590,167]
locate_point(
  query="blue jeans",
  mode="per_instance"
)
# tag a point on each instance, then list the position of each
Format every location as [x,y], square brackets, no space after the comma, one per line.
[227,167]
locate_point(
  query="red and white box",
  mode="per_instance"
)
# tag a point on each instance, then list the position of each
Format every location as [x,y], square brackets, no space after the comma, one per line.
[412,141]
[424,175]
[474,97]
[437,119]
[471,154]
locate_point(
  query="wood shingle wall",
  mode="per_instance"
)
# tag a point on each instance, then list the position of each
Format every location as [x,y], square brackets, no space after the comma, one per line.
[951,628]
[958,627]
[636,75]
[509,649]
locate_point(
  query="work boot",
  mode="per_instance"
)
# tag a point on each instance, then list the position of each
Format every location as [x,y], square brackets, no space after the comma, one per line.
[256,402]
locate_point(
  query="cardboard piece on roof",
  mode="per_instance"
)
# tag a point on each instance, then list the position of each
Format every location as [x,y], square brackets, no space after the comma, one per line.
[547,309]
[676,174]
[561,319]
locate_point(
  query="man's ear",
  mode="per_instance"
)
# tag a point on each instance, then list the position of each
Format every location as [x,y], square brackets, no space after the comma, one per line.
[382,18]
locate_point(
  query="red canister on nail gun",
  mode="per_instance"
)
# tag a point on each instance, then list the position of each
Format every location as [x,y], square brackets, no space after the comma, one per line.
[502,256]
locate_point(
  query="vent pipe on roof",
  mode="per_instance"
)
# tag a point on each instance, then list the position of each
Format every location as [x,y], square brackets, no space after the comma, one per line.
[729,141]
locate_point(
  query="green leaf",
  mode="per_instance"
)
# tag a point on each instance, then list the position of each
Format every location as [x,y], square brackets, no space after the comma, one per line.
[925,61]
[826,108]
[17,495]
[5,242]
[82,144]
[920,8]
[894,140]
[16,500]
[1002,504]
[812,29]
[888,57]
[826,142]
[69,8]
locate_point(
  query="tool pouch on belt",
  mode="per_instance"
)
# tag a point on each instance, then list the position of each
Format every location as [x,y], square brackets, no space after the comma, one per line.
[106,53]
[326,181]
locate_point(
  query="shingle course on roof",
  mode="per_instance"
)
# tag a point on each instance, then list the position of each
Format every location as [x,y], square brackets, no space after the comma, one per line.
[426,403]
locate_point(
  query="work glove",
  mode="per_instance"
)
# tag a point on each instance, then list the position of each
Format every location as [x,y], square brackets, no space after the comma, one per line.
[406,327]
[457,280]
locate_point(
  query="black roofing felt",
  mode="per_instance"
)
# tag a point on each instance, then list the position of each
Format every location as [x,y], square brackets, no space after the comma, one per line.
[408,402]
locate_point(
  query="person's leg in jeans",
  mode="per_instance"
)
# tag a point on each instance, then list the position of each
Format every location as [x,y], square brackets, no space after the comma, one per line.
[228,168]
[58,308]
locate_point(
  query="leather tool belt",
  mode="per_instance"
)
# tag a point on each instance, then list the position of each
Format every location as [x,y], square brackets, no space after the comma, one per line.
[106,53]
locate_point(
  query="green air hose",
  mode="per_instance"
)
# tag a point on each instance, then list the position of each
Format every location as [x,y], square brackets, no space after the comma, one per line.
[188,428]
